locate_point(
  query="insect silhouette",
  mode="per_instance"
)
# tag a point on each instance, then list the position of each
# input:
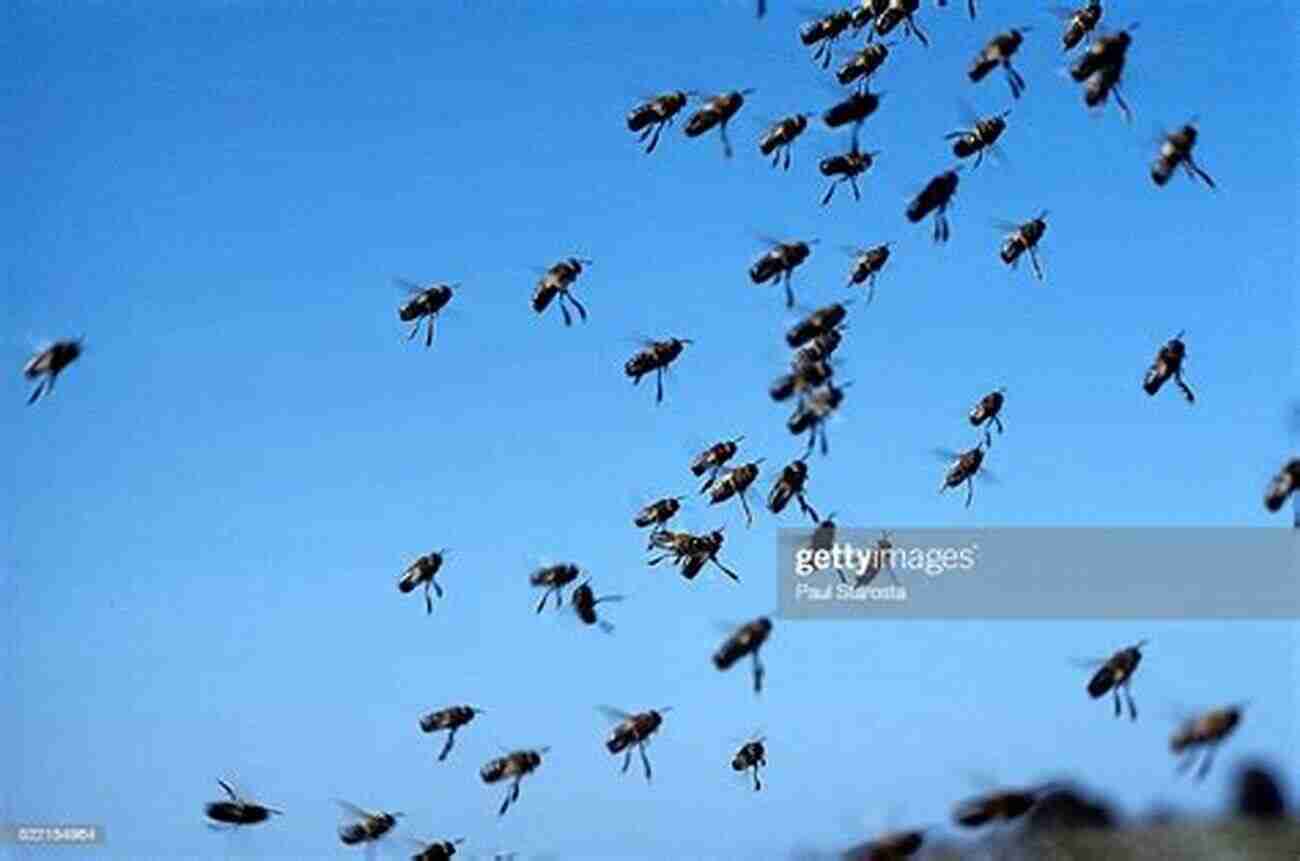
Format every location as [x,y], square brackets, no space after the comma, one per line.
[853,110]
[819,323]
[368,826]
[690,552]
[748,639]
[1023,239]
[803,376]
[861,65]
[981,136]
[821,34]
[1001,805]
[812,413]
[423,306]
[751,756]
[584,603]
[791,485]
[657,514]
[651,117]
[1282,487]
[717,112]
[1169,363]
[820,348]
[713,458]
[423,570]
[655,356]
[892,846]
[846,167]
[558,282]
[865,12]
[778,139]
[963,469]
[237,810]
[998,51]
[935,197]
[1200,737]
[986,413]
[553,578]
[438,850]
[1116,675]
[823,538]
[450,719]
[49,363]
[1078,23]
[1100,69]
[778,264]
[901,12]
[514,766]
[633,730]
[878,559]
[1175,150]
[735,483]
[867,264]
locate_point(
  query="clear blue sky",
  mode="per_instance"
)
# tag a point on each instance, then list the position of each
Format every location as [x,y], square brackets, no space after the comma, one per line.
[209,515]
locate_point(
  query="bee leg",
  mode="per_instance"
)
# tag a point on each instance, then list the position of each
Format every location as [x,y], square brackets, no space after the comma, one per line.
[659,385]
[997,421]
[505,804]
[1206,761]
[826,448]
[1038,268]
[830,192]
[808,509]
[657,559]
[786,165]
[582,312]
[757,784]
[627,760]
[759,672]
[559,598]
[725,569]
[1115,696]
[428,339]
[970,5]
[1194,167]
[853,183]
[514,792]
[1123,106]
[547,594]
[654,139]
[920,34]
[428,602]
[414,331]
[1184,388]
[726,141]
[37,393]
[1183,764]
[979,157]
[749,515]
[645,760]
[1132,706]
[970,491]
[871,289]
[437,590]
[812,441]
[606,626]
[446,748]
[776,158]
[568,320]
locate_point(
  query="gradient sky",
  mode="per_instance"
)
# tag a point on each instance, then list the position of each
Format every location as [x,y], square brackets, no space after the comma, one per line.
[209,514]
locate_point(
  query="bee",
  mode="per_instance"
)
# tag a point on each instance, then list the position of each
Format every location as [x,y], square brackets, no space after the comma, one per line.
[982,136]
[877,561]
[584,602]
[557,282]
[935,197]
[717,111]
[1282,486]
[779,263]
[423,305]
[747,640]
[861,65]
[823,538]
[1200,737]
[49,363]
[901,11]
[735,483]
[819,323]
[811,414]
[423,570]
[998,52]
[1116,674]
[514,766]
[1004,805]
[691,552]
[630,730]
[852,110]
[451,719]
[823,32]
[658,513]
[986,412]
[655,356]
[1175,150]
[846,167]
[650,118]
[554,578]
[794,477]
[368,827]
[1024,238]
[894,846]
[1101,68]
[1079,23]
[865,14]
[713,458]
[237,811]
[778,139]
[802,377]
[1169,363]
[435,850]
[820,348]
[965,466]
[751,756]
[867,264]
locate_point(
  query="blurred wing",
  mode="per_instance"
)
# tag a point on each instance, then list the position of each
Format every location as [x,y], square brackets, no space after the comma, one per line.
[407,285]
[945,454]
[1087,663]
[352,809]
[612,714]
[230,790]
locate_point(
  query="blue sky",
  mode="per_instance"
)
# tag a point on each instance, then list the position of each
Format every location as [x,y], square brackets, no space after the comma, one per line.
[210,513]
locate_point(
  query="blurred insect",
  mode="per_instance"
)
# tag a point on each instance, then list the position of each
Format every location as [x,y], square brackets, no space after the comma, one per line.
[584,602]
[747,640]
[880,558]
[791,485]
[982,136]
[861,65]
[553,578]
[450,719]
[777,140]
[691,552]
[713,458]
[901,12]
[865,13]
[1169,363]
[986,413]
[655,356]
[998,52]
[1175,150]
[965,466]
[893,846]
[1000,805]
[49,363]
[1116,675]
[423,570]
[823,538]
[751,756]
[867,264]
[819,323]
[633,730]
[1101,68]
[658,513]
[820,348]
[735,483]
[436,850]
[557,282]
[779,263]
[803,376]
[1024,238]
[514,766]
[935,197]
[717,111]
[823,32]
[368,827]
[1283,486]
[846,167]
[1078,22]
[852,110]
[1200,737]
[238,810]
[812,413]
[424,305]
[651,117]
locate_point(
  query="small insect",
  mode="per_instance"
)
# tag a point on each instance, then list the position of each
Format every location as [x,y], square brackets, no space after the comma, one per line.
[650,118]
[1283,486]
[1001,805]
[811,414]
[982,136]
[658,513]
[717,111]
[553,578]
[1201,736]
[1169,363]
[986,412]
[823,32]
[633,730]
[655,356]
[852,110]
[879,559]
[751,756]
[791,485]
[735,483]
[584,602]
[49,363]
[1175,150]
[238,810]
[438,850]
[424,305]
[846,167]
[1023,238]
[691,552]
[777,140]
[450,719]
[713,458]
[368,827]
[867,264]
[747,640]
[423,570]
[1101,68]
[1079,23]
[779,263]
[935,197]
[803,376]
[1116,675]
[894,846]
[558,281]
[998,52]
[901,12]
[865,14]
[821,322]
[861,65]
[514,766]
[965,465]
[820,348]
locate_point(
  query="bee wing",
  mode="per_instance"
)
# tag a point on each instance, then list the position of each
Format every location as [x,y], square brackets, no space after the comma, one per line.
[352,809]
[612,714]
[945,454]
[1064,13]
[1087,663]
[1001,224]
[229,788]
[407,285]
[610,599]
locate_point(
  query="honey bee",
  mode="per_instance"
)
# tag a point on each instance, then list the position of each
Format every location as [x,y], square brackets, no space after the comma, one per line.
[863,64]
[823,538]
[423,570]
[735,483]
[987,411]
[658,513]
[424,304]
[717,111]
[651,117]
[368,827]
[779,263]
[451,719]
[1169,363]
[963,469]
[1200,737]
[238,810]
[894,846]
[1116,674]
[1079,23]
[778,139]
[853,110]
[823,32]
[790,485]
[633,730]
[1283,486]
[981,136]
[867,264]
[901,11]
[1101,68]
[821,322]
[691,552]
[820,348]
[846,167]
[713,458]
[935,197]
[998,52]
[584,602]
[747,640]
[751,756]
[1000,805]
[514,766]
[438,850]
[1175,150]
[655,356]
[558,281]
[803,376]
[879,560]
[553,578]
[812,413]
[1024,238]
[49,363]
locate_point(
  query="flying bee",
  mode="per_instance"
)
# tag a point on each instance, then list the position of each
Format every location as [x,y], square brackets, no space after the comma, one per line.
[802,377]
[823,538]
[717,111]
[633,729]
[823,32]
[423,570]
[852,110]
[998,52]
[238,810]
[368,827]
[867,263]
[963,469]
[1000,805]
[558,281]
[49,363]
[1200,737]
[751,756]
[553,578]
[1169,363]
[713,458]
[812,413]
[735,483]
[514,766]
[935,197]
[778,139]
[584,602]
[1175,150]
[1022,239]
[846,167]
[1116,675]
[879,559]
[691,552]
[650,118]
[865,13]
[861,65]
[820,349]
[655,356]
[980,137]
[438,850]
[423,305]
[450,719]
[1079,23]
[821,322]
[658,513]
[747,640]
[791,485]
[778,264]
[893,846]
[901,12]
[1282,487]
[987,411]
[1101,68]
